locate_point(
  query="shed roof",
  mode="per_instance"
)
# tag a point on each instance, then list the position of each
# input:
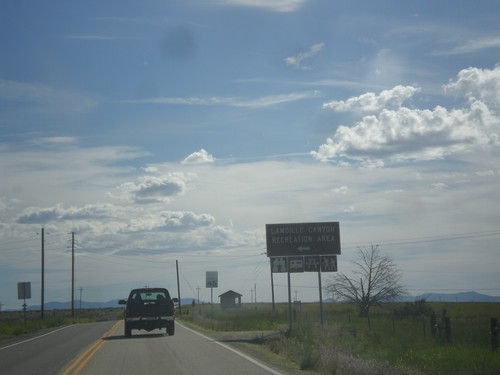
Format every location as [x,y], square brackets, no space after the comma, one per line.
[230,293]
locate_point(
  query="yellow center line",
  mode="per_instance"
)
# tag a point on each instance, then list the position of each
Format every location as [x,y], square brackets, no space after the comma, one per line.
[81,361]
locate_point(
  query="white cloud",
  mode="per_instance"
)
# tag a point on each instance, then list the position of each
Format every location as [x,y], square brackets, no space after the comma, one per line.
[154,189]
[54,141]
[262,102]
[34,215]
[272,100]
[179,219]
[371,102]
[340,190]
[483,84]
[472,46]
[92,37]
[407,134]
[199,157]
[45,98]
[297,61]
[419,134]
[284,6]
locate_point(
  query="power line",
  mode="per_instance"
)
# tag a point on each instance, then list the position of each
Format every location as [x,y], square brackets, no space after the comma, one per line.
[417,240]
[455,289]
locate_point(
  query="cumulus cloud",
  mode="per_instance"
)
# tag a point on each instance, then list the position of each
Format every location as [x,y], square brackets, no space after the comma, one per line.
[476,83]
[371,102]
[297,60]
[418,134]
[199,157]
[153,189]
[186,220]
[412,134]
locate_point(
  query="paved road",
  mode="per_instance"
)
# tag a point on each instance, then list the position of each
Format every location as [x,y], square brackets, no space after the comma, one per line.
[48,352]
[187,352]
[101,348]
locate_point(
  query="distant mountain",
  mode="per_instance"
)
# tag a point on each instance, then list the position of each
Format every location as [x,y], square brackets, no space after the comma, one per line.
[460,297]
[67,305]
[452,297]
[189,301]
[443,297]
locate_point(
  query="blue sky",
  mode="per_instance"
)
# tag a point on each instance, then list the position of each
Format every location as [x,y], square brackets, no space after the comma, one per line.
[175,130]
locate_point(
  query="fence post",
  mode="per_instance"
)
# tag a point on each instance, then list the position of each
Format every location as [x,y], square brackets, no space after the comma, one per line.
[434,326]
[494,333]
[447,329]
[423,326]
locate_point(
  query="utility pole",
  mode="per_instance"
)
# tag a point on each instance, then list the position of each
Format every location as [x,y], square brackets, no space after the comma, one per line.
[178,287]
[72,274]
[255,291]
[80,312]
[198,289]
[43,276]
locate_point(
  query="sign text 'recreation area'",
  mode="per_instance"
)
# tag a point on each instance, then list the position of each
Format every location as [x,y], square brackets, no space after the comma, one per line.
[303,239]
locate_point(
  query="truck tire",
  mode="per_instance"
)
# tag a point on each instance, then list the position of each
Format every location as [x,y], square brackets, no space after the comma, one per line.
[128,330]
[170,328]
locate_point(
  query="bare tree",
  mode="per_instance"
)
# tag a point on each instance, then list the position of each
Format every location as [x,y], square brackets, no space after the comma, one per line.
[375,281]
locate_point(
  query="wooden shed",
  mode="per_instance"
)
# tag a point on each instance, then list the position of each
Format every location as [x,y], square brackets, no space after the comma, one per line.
[230,300]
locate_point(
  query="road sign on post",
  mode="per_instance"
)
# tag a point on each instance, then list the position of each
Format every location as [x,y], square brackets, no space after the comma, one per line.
[212,282]
[24,290]
[303,247]
[303,239]
[212,279]
[24,293]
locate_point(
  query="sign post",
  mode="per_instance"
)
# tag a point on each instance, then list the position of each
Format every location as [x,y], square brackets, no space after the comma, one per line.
[24,293]
[212,281]
[303,247]
[289,301]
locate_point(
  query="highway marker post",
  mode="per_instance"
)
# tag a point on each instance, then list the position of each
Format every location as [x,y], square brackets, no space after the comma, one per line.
[302,247]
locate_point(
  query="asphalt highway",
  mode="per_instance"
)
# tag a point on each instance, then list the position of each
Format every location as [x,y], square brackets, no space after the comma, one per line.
[101,348]
[50,351]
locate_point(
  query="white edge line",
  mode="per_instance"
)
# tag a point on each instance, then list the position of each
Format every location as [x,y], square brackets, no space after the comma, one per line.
[254,361]
[35,338]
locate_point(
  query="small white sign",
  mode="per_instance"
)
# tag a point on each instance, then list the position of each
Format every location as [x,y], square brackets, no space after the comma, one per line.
[24,290]
[212,279]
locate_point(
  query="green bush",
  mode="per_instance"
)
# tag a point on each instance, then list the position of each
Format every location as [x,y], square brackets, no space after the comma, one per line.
[418,308]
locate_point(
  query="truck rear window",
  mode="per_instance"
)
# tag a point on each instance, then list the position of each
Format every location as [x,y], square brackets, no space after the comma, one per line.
[145,296]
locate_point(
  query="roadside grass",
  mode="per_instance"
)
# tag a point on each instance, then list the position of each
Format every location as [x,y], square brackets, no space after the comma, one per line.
[386,343]
[255,317]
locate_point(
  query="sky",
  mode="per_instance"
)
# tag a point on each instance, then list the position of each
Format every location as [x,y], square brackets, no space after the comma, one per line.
[171,132]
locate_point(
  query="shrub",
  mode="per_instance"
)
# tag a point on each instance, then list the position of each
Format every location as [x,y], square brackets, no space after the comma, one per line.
[418,308]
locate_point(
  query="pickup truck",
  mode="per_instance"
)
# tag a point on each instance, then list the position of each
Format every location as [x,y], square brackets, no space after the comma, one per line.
[148,309]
